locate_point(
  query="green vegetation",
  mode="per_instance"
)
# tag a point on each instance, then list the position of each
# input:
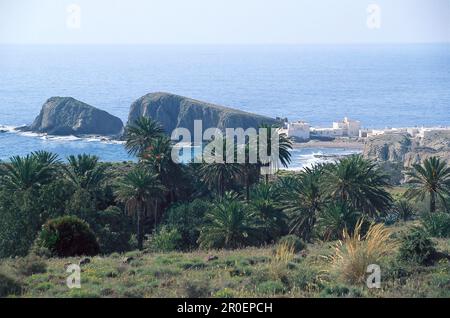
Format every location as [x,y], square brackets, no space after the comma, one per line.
[157,228]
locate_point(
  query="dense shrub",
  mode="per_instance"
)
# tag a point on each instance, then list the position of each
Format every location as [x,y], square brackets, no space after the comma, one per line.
[187,218]
[8,285]
[437,224]
[68,236]
[293,241]
[113,230]
[165,240]
[417,247]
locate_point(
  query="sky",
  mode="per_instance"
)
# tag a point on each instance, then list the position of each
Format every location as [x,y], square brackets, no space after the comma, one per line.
[223,21]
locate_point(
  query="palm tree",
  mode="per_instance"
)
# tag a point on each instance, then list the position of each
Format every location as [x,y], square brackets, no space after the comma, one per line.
[284,147]
[303,201]
[251,172]
[85,172]
[335,218]
[217,175]
[265,204]
[46,158]
[24,173]
[359,183]
[140,135]
[138,189]
[230,224]
[404,209]
[432,178]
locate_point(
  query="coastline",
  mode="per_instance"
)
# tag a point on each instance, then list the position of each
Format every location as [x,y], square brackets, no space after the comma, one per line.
[337,143]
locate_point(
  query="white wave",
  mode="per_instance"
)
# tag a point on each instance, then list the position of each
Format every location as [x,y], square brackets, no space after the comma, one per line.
[71,138]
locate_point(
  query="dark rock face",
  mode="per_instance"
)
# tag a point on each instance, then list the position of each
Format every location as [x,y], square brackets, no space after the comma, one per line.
[68,116]
[173,111]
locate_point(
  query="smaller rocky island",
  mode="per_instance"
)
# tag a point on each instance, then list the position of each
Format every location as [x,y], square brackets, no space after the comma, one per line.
[64,116]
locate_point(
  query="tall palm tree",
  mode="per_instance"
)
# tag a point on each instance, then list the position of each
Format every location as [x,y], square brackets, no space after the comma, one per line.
[24,173]
[218,175]
[432,178]
[251,172]
[230,224]
[85,172]
[140,135]
[303,201]
[358,182]
[284,147]
[138,189]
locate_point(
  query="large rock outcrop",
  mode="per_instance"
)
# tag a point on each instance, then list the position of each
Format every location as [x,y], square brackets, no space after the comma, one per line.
[407,150]
[174,111]
[67,116]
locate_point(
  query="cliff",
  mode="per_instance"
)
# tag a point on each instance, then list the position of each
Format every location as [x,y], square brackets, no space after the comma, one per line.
[173,111]
[68,116]
[402,148]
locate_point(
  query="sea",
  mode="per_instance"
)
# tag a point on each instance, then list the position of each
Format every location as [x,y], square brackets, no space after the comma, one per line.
[395,85]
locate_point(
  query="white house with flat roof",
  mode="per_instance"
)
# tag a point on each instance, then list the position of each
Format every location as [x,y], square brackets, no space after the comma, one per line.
[299,130]
[349,127]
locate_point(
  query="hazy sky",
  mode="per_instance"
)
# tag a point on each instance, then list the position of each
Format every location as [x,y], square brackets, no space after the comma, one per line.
[222,21]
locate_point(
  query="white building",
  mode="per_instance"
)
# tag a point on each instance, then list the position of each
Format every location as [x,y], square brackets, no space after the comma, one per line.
[299,130]
[327,132]
[349,127]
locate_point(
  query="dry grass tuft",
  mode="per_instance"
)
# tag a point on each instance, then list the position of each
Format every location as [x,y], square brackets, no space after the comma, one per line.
[284,253]
[354,253]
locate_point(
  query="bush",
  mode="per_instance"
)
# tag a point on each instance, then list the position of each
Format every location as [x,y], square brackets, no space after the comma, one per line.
[292,241]
[9,286]
[113,230]
[417,247]
[165,240]
[437,224]
[68,236]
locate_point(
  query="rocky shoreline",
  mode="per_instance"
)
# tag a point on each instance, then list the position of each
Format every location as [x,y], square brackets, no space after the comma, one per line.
[407,150]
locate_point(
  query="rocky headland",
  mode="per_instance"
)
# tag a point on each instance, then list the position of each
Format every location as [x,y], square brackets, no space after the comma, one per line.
[404,149]
[174,111]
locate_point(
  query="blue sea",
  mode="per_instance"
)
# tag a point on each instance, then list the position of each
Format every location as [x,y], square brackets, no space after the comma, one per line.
[380,85]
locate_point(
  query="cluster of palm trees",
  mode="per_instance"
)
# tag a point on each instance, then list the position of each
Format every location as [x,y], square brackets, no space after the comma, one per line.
[146,187]
[42,167]
[246,207]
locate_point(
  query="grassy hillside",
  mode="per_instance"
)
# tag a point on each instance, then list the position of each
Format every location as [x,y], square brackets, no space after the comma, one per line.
[250,272]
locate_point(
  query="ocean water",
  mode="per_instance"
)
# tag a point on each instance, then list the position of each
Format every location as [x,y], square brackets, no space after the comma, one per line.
[380,85]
